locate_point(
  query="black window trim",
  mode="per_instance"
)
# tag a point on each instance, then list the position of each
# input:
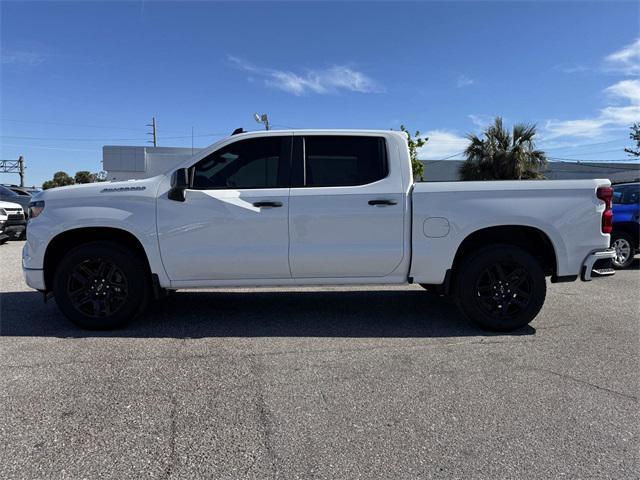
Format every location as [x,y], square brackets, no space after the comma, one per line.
[303,152]
[289,163]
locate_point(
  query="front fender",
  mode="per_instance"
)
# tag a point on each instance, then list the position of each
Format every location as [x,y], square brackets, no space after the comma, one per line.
[136,217]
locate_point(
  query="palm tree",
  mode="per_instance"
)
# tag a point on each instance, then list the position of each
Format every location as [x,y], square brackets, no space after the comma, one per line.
[501,155]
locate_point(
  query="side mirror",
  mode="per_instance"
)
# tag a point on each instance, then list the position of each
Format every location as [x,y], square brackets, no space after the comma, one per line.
[179,184]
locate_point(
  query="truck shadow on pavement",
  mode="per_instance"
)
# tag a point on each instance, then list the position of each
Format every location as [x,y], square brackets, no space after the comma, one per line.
[362,313]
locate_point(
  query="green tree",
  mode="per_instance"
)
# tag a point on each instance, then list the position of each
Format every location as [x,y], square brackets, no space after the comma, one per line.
[100,176]
[84,176]
[502,155]
[414,145]
[635,136]
[60,179]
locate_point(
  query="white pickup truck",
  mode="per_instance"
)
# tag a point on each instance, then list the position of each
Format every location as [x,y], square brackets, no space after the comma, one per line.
[314,207]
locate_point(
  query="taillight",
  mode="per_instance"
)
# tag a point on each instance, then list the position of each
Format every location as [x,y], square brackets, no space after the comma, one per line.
[606,195]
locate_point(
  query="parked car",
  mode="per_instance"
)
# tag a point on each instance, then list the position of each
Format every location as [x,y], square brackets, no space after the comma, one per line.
[16,221]
[23,190]
[626,223]
[3,222]
[314,207]
[8,195]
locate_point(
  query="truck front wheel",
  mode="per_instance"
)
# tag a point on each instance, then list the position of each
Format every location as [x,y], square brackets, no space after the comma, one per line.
[100,285]
[500,288]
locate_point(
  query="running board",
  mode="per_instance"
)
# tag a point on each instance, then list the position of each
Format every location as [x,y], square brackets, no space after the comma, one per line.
[603,272]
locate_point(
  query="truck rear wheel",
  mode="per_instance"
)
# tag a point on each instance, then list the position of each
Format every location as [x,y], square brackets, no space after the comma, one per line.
[500,288]
[100,285]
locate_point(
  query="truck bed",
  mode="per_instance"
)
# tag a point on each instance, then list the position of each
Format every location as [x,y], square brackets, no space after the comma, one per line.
[567,212]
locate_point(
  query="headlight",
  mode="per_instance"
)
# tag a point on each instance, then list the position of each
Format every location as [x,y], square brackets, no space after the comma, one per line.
[3,211]
[35,208]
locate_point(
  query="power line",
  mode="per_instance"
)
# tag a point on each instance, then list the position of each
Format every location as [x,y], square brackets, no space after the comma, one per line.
[595,153]
[580,146]
[63,124]
[85,139]
[48,147]
[440,159]
[578,160]
[605,167]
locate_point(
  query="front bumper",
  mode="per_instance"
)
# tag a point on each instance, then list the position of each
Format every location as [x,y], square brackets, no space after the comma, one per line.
[34,278]
[598,264]
[15,227]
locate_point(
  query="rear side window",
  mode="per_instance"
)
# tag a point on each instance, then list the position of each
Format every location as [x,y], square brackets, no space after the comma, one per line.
[336,161]
[626,195]
[246,164]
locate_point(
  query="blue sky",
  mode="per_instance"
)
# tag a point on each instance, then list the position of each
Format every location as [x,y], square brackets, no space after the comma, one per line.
[76,76]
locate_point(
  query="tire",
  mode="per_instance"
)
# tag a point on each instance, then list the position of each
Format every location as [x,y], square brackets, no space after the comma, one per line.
[430,289]
[623,243]
[500,288]
[101,286]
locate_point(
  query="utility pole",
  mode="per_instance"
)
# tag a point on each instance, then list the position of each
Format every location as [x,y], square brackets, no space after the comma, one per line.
[154,132]
[21,169]
[14,166]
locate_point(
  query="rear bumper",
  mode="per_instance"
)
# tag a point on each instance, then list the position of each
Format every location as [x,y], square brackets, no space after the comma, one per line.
[598,264]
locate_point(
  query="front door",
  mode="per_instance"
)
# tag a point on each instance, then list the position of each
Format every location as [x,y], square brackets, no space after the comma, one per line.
[234,221]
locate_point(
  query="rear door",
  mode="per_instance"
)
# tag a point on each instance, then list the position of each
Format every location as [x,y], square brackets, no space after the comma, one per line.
[346,210]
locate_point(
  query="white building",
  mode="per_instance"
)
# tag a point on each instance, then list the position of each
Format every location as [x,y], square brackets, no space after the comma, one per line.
[125,163]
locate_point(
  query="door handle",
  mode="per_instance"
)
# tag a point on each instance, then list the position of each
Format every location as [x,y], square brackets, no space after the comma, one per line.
[382,202]
[267,204]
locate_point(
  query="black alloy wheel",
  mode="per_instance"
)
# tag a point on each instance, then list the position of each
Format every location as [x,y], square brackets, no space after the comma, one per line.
[97,288]
[504,289]
[500,287]
[101,285]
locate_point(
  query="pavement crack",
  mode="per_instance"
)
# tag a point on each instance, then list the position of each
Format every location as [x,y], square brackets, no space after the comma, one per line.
[224,353]
[263,420]
[583,382]
[171,463]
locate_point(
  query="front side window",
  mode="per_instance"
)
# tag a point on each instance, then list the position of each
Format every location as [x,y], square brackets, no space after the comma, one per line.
[340,160]
[245,164]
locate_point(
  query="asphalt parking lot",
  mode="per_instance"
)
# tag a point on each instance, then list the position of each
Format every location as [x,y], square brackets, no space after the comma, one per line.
[321,383]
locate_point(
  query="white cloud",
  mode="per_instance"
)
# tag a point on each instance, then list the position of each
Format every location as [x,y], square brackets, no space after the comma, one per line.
[626,89]
[21,57]
[442,144]
[328,80]
[481,120]
[570,68]
[586,127]
[623,108]
[625,60]
[464,81]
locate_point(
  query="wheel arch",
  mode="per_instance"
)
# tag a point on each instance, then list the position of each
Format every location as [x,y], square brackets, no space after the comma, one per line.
[530,239]
[69,239]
